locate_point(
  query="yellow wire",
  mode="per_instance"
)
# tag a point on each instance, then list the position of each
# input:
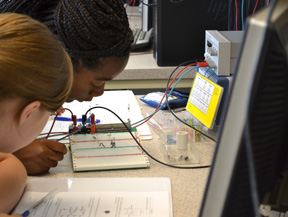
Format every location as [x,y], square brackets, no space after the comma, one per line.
[69,148]
[141,138]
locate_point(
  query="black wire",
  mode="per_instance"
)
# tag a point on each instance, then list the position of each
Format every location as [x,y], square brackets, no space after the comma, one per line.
[173,113]
[263,3]
[160,162]
[247,8]
[239,20]
[231,15]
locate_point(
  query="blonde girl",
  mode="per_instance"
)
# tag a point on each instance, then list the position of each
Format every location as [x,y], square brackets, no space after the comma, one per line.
[35,80]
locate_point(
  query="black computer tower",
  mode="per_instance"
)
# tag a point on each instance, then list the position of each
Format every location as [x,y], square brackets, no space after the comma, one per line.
[179,28]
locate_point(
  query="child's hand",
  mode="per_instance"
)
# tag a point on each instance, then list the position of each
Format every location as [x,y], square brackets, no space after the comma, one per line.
[40,155]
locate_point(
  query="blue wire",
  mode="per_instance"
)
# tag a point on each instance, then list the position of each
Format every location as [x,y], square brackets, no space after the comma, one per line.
[165,97]
[242,14]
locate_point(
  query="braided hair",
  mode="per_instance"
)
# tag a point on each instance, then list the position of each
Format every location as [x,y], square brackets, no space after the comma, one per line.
[88,29]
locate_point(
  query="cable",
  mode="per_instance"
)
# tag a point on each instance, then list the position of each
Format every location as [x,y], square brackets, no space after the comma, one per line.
[53,134]
[173,113]
[128,3]
[167,88]
[229,14]
[59,112]
[158,161]
[160,103]
[132,9]
[163,98]
[148,117]
[242,14]
[58,133]
[236,15]
[255,7]
[247,8]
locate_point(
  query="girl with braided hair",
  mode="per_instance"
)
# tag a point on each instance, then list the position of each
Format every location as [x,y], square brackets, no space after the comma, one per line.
[95,33]
[97,36]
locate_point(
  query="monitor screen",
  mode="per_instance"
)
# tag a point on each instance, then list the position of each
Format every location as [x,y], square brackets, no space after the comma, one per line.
[251,152]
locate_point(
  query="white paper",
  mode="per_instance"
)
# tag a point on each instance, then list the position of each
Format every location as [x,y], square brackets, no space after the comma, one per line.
[99,197]
[98,204]
[201,94]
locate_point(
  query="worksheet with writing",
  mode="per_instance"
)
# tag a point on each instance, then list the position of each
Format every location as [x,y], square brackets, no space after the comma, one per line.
[98,197]
[98,204]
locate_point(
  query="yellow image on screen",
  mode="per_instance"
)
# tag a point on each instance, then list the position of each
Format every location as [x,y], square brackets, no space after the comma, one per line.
[204,100]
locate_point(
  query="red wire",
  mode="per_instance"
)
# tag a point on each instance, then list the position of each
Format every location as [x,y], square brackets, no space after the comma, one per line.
[255,7]
[63,109]
[236,20]
[166,92]
[132,8]
[129,2]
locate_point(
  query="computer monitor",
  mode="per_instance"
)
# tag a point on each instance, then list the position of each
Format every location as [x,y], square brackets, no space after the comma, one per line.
[256,119]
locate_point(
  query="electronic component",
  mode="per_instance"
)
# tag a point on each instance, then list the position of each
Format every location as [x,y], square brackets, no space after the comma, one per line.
[74,125]
[92,127]
[99,128]
[221,50]
[107,151]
